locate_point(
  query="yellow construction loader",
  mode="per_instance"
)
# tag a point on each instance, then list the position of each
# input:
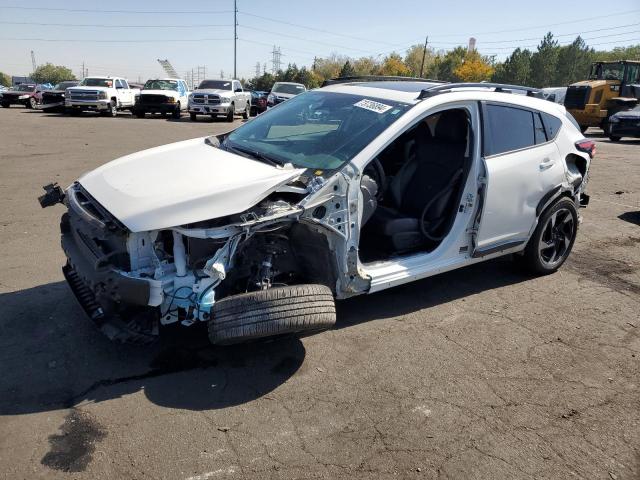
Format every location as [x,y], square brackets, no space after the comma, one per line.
[612,87]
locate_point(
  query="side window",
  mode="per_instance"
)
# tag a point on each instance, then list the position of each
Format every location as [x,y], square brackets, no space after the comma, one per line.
[539,131]
[236,85]
[124,83]
[551,125]
[507,129]
[118,83]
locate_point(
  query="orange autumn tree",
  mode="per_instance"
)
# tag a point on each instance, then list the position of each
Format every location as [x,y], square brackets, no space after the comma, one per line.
[474,68]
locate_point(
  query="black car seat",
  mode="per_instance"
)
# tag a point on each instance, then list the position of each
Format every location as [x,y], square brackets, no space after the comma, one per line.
[431,180]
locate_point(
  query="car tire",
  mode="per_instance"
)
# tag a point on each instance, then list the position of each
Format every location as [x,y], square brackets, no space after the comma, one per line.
[193,117]
[231,113]
[74,112]
[247,111]
[176,113]
[5,105]
[552,241]
[614,138]
[140,113]
[32,103]
[111,111]
[275,311]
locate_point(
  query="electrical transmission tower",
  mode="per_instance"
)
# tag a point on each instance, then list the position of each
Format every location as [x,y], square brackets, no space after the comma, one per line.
[168,68]
[222,74]
[33,60]
[276,59]
[257,69]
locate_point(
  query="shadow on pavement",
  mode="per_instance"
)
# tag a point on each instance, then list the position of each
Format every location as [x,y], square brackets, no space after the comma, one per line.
[54,358]
[631,217]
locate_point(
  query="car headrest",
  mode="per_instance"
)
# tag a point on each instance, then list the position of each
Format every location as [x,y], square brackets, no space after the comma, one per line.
[452,126]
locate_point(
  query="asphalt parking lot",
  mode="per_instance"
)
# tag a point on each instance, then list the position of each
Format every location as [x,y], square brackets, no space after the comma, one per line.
[480,373]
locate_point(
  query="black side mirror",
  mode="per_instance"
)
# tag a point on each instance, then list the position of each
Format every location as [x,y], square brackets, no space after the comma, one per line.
[238,90]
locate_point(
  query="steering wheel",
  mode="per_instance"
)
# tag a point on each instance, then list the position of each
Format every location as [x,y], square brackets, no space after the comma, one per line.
[375,171]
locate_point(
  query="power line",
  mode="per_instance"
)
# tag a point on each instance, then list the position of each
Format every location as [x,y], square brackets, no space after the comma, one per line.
[155,40]
[113,26]
[145,12]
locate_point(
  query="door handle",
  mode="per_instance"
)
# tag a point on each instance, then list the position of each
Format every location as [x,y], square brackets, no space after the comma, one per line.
[546,163]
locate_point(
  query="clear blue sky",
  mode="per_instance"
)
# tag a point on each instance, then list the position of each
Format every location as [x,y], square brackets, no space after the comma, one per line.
[303,29]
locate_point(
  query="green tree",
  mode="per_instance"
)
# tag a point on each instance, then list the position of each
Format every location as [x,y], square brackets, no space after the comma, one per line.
[443,66]
[5,79]
[413,59]
[365,66]
[544,62]
[393,65]
[474,68]
[49,73]
[347,70]
[573,63]
[516,69]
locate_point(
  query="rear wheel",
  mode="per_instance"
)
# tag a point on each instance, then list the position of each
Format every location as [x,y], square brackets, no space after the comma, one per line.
[193,117]
[614,138]
[140,113]
[553,238]
[276,311]
[247,111]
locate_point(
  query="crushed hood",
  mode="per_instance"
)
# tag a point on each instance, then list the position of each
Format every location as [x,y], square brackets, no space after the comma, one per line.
[181,183]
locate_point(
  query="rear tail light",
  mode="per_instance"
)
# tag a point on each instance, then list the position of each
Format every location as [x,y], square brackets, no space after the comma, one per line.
[587,146]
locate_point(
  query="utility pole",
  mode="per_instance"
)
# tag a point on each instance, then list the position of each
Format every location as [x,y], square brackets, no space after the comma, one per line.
[33,60]
[424,54]
[82,75]
[235,37]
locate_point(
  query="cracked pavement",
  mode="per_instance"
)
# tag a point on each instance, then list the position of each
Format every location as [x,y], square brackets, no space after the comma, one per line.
[478,373]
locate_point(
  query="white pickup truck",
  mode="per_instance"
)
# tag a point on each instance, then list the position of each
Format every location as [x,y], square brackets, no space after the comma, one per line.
[106,95]
[220,97]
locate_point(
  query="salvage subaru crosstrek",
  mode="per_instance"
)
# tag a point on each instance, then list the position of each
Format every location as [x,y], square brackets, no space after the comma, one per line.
[359,186]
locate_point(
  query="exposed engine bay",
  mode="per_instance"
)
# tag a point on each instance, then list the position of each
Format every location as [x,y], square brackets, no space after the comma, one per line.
[175,275]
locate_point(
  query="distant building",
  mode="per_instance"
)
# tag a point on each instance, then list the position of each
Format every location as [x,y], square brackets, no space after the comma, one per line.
[19,80]
[472,44]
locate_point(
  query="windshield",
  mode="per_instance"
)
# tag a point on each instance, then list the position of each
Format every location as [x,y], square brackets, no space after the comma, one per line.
[317,129]
[607,71]
[96,82]
[288,88]
[161,85]
[65,85]
[24,88]
[216,84]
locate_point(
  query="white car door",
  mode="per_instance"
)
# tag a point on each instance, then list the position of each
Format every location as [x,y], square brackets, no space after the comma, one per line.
[184,94]
[522,164]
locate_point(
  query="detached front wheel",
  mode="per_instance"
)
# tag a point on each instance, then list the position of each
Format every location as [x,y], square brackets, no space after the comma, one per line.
[552,241]
[276,311]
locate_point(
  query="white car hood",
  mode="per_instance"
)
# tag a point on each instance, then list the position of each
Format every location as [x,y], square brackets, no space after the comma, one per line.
[180,183]
[217,91]
[167,93]
[91,89]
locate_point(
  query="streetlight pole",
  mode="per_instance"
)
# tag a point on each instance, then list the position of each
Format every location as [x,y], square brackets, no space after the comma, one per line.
[235,36]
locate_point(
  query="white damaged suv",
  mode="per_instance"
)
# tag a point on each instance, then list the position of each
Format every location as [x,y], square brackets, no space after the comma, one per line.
[359,186]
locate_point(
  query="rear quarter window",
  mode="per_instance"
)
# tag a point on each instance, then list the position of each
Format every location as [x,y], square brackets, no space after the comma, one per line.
[551,125]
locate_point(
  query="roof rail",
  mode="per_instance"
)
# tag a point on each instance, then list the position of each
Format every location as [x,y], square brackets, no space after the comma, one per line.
[498,87]
[376,78]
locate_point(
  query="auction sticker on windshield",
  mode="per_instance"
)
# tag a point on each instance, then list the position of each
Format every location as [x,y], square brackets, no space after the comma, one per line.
[373,106]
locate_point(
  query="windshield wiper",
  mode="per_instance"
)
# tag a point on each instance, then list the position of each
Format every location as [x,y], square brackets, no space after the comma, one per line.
[253,154]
